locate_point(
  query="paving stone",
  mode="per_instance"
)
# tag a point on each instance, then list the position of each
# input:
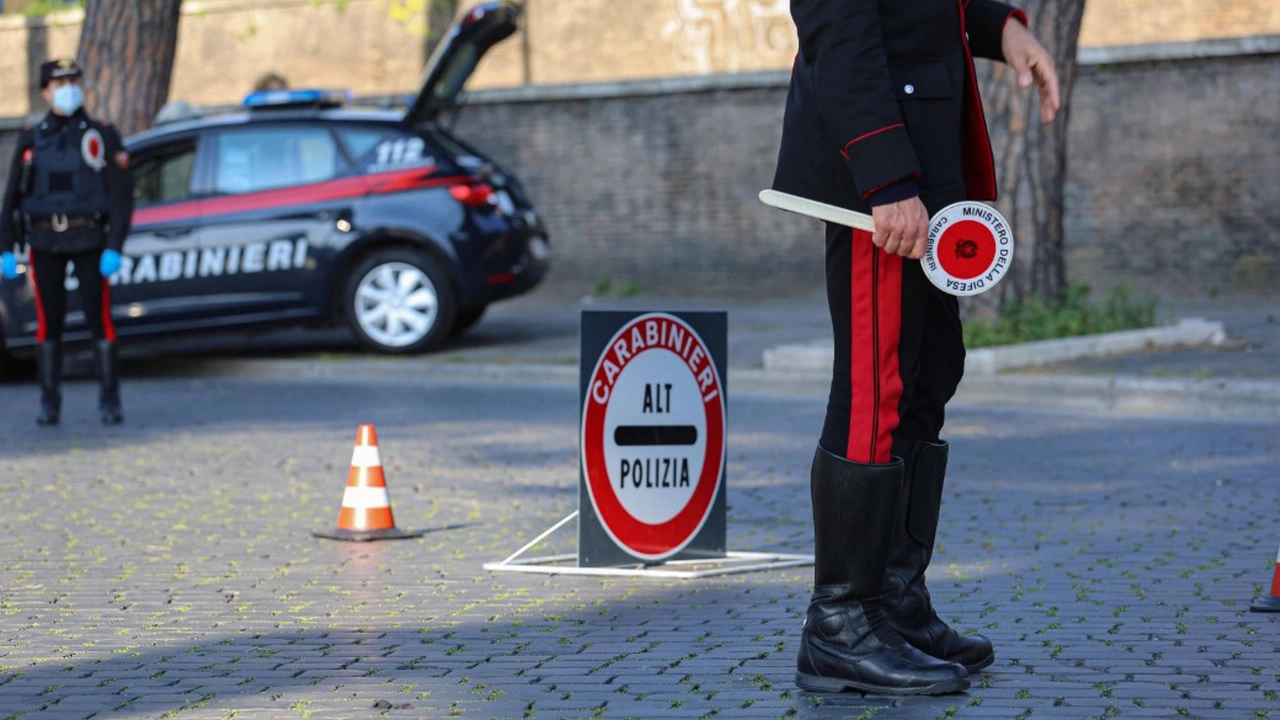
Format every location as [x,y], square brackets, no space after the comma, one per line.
[1111,560]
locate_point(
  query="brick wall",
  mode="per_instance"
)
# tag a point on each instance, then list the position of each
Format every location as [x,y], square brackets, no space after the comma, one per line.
[653,187]
[1170,183]
[1170,176]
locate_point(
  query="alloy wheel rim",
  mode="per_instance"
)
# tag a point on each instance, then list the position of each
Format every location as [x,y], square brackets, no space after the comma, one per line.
[396,304]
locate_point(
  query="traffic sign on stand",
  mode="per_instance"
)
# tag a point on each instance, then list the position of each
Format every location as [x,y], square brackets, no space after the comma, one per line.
[653,424]
[652,437]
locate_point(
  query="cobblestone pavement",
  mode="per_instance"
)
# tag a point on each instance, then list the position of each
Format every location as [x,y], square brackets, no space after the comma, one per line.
[166,569]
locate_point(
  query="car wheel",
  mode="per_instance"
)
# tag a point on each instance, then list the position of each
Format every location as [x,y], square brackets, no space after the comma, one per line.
[399,301]
[467,317]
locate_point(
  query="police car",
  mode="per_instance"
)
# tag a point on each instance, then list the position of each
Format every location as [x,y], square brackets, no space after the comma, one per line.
[297,209]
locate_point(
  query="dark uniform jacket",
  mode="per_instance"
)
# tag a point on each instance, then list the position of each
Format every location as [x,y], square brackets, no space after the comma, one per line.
[69,188]
[883,98]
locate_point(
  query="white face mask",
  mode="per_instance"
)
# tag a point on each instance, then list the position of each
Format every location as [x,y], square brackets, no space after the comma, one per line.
[68,99]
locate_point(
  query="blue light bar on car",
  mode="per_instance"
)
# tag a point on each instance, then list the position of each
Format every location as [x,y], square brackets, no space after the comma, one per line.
[285,98]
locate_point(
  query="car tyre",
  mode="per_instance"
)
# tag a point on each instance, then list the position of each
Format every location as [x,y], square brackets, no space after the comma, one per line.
[399,301]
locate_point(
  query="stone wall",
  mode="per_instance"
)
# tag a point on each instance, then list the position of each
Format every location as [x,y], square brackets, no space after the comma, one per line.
[1172,173]
[1170,181]
[376,46]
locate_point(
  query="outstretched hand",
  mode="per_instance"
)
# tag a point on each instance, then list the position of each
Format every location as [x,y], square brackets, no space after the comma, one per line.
[1032,63]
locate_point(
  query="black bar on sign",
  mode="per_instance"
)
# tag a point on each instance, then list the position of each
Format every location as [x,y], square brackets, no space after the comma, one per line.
[655,435]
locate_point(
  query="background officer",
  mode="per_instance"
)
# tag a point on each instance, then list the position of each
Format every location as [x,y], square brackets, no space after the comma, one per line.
[70,197]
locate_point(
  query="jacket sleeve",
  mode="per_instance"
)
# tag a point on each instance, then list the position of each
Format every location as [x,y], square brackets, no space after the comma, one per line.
[10,231]
[984,20]
[119,187]
[843,47]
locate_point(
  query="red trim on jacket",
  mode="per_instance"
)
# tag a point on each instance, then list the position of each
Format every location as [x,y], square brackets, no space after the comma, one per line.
[978,162]
[845,150]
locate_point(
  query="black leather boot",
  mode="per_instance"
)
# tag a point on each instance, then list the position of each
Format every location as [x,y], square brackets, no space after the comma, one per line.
[906,599]
[109,382]
[847,644]
[49,369]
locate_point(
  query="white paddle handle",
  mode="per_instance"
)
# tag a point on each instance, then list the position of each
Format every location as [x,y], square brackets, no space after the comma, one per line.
[819,210]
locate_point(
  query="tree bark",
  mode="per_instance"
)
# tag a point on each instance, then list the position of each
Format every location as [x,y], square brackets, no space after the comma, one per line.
[1031,158]
[127,50]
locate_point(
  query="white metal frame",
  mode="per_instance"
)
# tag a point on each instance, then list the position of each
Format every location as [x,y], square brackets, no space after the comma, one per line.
[731,563]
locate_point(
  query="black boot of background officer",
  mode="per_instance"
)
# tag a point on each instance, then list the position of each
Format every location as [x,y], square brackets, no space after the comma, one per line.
[49,369]
[906,599]
[108,362]
[847,643]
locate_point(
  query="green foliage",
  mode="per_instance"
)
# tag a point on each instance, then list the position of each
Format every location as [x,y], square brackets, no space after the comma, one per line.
[1032,319]
[626,289]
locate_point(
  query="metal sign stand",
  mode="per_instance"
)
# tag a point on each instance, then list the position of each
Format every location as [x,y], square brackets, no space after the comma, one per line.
[731,563]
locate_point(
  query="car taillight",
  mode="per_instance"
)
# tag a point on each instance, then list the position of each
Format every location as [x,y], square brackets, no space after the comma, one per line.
[473,195]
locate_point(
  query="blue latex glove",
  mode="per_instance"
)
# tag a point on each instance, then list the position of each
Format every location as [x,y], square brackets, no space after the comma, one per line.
[110,263]
[9,265]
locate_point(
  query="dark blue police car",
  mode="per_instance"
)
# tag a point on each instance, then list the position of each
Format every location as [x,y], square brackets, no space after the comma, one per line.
[299,210]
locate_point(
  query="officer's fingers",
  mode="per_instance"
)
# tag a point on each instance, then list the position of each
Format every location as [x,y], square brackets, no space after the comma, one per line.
[917,251]
[1050,99]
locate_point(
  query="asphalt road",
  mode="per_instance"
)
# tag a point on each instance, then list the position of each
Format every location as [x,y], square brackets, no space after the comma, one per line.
[165,569]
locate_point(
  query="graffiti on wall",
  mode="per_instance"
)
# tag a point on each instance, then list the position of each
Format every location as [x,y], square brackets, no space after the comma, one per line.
[730,35]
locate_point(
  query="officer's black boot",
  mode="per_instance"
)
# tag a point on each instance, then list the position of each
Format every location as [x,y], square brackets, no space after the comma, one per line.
[109,379]
[847,643]
[906,599]
[49,368]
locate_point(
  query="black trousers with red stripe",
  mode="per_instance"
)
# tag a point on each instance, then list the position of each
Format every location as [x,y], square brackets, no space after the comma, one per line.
[899,350]
[49,273]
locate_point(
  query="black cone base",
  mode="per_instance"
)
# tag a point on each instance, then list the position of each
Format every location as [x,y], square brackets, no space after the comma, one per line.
[1266,604]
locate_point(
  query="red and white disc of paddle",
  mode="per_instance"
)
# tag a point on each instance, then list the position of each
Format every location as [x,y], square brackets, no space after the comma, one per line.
[970,249]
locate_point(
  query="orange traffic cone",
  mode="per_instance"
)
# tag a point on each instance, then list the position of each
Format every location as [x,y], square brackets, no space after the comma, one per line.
[1271,603]
[366,505]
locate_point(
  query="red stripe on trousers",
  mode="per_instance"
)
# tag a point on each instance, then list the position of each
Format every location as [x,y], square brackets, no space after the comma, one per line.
[108,327]
[875,330]
[41,329]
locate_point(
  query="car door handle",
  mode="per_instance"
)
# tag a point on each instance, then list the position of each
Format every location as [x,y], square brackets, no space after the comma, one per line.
[170,234]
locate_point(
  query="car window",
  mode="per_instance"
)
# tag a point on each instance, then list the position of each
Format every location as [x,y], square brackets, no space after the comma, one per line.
[360,142]
[375,150]
[163,174]
[264,158]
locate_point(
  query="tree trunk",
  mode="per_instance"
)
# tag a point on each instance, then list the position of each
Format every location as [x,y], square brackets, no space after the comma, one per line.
[1031,158]
[127,49]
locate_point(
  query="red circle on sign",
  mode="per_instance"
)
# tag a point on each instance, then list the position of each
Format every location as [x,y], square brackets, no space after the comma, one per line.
[653,541]
[966,249]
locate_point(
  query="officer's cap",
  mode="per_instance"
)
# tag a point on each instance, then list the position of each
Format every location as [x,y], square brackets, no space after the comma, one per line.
[58,69]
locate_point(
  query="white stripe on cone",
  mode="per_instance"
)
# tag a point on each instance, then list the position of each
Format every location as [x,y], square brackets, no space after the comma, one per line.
[365,456]
[366,497]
